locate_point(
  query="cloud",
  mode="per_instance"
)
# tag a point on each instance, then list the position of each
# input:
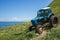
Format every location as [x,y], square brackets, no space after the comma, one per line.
[21,19]
[16,19]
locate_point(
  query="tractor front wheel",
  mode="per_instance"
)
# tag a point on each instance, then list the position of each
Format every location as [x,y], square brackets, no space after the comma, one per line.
[39,29]
[31,28]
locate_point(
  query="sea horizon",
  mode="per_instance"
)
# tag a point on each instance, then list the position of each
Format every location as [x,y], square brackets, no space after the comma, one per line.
[7,24]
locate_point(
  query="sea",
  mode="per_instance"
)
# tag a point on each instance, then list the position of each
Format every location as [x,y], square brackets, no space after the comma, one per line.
[7,24]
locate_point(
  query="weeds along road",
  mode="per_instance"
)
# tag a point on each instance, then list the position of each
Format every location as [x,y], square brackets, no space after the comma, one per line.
[43,34]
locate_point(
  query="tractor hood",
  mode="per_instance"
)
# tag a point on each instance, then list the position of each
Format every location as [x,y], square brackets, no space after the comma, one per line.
[34,21]
[38,18]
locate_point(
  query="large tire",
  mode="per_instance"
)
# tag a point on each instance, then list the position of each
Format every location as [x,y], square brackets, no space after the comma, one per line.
[54,21]
[39,29]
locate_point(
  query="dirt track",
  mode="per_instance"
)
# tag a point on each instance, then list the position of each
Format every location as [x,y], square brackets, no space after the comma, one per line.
[42,35]
[58,25]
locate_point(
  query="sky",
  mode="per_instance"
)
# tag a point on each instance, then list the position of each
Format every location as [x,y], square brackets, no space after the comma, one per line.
[21,10]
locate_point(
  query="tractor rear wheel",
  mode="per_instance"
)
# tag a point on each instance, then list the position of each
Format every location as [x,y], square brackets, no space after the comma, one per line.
[54,21]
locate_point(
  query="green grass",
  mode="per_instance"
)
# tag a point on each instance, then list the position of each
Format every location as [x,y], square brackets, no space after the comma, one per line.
[17,32]
[55,5]
[54,34]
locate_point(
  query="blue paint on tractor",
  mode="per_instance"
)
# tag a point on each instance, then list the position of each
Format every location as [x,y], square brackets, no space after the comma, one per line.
[43,13]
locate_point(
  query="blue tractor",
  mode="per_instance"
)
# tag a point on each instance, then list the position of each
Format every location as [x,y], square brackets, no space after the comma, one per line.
[44,16]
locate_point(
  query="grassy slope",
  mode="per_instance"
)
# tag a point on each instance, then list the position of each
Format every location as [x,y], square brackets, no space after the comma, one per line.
[54,34]
[18,32]
[55,5]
